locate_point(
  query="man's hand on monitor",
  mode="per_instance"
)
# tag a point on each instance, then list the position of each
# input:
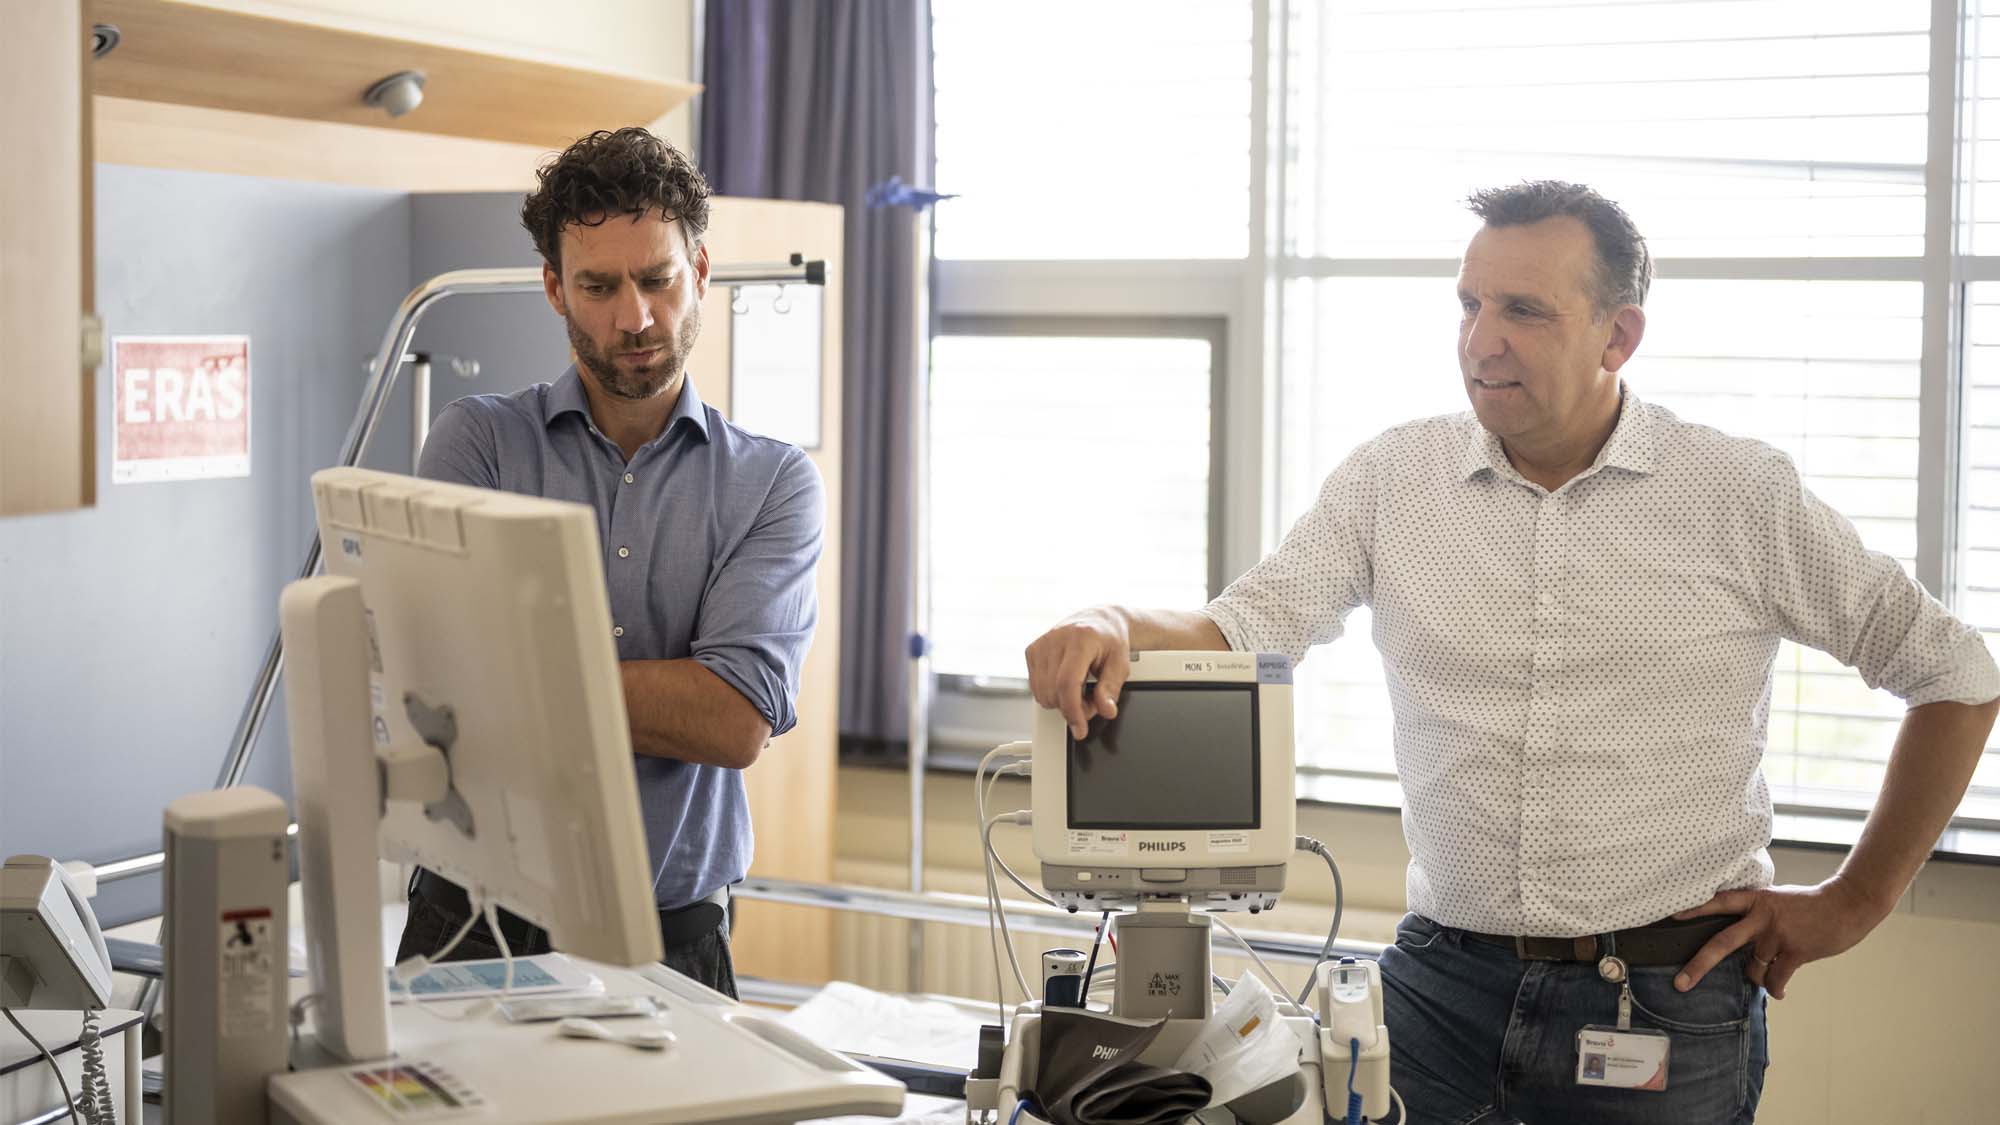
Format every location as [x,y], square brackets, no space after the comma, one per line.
[1096,641]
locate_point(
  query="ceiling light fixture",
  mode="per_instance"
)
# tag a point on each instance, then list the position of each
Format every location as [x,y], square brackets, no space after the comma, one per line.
[397,94]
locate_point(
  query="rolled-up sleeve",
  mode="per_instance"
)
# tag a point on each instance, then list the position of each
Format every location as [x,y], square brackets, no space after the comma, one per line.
[1827,590]
[1300,594]
[759,610]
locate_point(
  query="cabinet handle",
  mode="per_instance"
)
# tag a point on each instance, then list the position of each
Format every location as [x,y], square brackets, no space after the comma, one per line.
[92,341]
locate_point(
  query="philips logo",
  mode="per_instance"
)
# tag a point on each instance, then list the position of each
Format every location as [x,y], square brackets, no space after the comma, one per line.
[1102,1052]
[1162,846]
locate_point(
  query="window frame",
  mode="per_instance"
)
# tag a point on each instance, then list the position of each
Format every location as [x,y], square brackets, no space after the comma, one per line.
[984,710]
[1213,330]
[972,714]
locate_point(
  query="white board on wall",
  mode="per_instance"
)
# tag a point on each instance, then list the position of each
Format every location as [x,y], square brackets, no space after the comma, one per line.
[774,362]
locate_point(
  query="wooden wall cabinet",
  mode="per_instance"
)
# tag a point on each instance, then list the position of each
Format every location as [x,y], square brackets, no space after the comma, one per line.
[264,90]
[48,452]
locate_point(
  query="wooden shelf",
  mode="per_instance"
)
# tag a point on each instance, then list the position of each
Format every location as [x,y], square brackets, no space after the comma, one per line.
[187,53]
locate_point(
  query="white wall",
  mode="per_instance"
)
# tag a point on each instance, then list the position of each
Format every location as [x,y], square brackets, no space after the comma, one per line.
[651,38]
[1898,1029]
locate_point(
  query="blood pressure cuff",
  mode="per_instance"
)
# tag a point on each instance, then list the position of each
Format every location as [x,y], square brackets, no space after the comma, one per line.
[1087,1075]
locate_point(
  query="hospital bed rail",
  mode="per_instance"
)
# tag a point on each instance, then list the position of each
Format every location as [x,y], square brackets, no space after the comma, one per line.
[927,906]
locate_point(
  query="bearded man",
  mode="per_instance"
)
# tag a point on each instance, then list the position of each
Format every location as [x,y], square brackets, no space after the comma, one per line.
[710,533]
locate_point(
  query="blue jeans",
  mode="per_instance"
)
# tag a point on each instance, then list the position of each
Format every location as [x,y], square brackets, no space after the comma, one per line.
[1477,1035]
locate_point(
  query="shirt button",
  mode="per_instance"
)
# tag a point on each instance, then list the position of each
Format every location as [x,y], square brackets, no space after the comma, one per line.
[628,478]
[624,552]
[1547,598]
[618,630]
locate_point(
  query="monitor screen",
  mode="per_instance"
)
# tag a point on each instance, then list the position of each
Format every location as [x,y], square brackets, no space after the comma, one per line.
[1177,757]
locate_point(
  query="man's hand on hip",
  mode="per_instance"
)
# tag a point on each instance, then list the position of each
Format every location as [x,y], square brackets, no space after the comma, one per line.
[1783,927]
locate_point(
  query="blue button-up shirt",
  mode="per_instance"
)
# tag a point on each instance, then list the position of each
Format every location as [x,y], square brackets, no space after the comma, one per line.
[711,535]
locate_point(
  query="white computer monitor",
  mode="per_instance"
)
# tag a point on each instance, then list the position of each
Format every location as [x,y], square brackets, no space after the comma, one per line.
[1188,792]
[455,702]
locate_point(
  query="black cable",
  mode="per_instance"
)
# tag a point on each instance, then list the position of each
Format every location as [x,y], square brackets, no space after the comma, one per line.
[1089,966]
[69,1099]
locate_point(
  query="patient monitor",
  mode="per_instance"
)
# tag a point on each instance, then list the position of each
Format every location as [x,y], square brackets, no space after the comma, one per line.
[1184,800]
[1187,794]
[1183,806]
[455,702]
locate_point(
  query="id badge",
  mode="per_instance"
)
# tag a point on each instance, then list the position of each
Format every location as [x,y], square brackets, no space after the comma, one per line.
[1629,1059]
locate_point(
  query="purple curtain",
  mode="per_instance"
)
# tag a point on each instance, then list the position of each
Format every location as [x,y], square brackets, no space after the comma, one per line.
[818,100]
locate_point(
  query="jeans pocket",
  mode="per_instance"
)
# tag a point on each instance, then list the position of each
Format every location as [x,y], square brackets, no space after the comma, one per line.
[1416,933]
[1711,1028]
[1719,1005]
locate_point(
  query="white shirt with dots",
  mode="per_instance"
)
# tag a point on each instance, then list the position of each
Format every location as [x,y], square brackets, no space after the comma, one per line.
[1581,678]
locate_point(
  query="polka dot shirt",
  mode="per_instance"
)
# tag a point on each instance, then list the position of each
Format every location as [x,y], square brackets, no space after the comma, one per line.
[1581,678]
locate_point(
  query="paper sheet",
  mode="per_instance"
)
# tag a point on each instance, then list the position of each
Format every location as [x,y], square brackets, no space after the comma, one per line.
[464,980]
[848,1017]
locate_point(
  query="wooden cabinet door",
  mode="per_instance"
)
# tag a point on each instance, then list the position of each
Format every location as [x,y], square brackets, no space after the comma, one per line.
[48,453]
[791,787]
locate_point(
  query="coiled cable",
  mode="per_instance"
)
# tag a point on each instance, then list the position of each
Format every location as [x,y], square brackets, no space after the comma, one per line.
[95,1099]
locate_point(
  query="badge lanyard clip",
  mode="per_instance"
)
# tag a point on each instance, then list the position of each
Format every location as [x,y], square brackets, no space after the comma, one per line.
[1612,968]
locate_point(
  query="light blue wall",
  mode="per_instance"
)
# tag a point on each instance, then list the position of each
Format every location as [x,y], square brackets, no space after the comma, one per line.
[129,632]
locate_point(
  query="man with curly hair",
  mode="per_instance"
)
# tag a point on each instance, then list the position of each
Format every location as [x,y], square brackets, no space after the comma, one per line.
[710,533]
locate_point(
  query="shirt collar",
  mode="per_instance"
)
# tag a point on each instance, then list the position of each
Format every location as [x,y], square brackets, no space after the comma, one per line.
[690,409]
[566,395]
[1632,447]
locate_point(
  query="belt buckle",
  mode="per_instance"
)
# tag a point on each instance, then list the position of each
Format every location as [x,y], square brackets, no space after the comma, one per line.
[1521,950]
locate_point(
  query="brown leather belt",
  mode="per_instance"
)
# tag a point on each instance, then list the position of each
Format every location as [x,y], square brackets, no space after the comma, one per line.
[1666,942]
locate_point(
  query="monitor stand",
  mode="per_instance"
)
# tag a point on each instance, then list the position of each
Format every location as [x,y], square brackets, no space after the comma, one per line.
[337,790]
[1164,963]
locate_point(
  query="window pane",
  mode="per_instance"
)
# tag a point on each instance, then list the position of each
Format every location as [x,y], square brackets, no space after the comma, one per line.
[1826,371]
[1981,205]
[1359,355]
[1978,578]
[1065,472]
[1738,128]
[1106,129]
